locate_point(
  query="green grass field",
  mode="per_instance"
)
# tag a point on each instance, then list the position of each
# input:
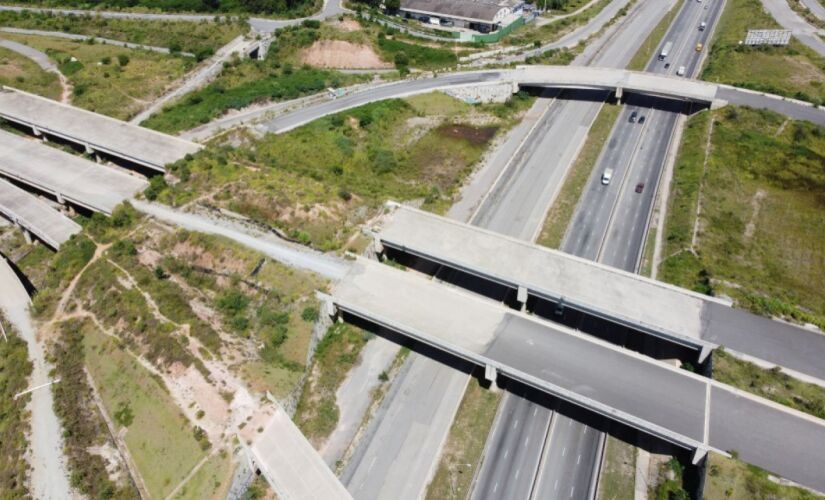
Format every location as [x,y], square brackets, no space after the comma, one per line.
[618,476]
[103,81]
[15,369]
[160,438]
[793,70]
[23,73]
[200,38]
[761,237]
[212,481]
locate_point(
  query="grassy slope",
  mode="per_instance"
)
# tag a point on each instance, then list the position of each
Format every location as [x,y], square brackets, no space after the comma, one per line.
[337,353]
[465,443]
[160,438]
[563,208]
[316,182]
[199,38]
[15,368]
[618,476]
[762,237]
[794,70]
[736,480]
[110,89]
[21,72]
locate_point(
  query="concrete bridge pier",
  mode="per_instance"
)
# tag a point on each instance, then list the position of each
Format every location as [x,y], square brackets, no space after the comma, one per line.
[491,375]
[521,297]
[59,198]
[37,133]
[26,234]
[619,94]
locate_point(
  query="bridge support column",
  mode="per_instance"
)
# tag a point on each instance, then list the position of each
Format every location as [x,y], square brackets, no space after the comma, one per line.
[59,198]
[698,455]
[89,150]
[37,133]
[704,353]
[521,297]
[377,246]
[619,93]
[26,234]
[491,375]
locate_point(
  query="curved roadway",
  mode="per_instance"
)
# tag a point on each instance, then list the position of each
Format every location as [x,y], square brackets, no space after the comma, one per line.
[790,20]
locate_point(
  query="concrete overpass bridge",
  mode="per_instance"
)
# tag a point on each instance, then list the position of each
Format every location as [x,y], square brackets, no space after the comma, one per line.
[676,406]
[549,282]
[614,80]
[95,133]
[67,177]
[35,217]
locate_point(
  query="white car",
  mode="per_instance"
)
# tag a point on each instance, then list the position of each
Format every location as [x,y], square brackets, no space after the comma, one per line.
[681,71]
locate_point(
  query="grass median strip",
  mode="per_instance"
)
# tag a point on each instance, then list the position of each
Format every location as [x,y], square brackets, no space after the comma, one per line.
[21,72]
[561,212]
[465,443]
[731,478]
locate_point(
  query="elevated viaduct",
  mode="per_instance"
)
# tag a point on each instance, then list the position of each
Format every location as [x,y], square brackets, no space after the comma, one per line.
[93,132]
[69,178]
[673,405]
[616,80]
[35,217]
[549,282]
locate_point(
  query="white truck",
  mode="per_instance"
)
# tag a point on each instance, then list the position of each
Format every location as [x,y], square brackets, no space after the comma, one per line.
[665,51]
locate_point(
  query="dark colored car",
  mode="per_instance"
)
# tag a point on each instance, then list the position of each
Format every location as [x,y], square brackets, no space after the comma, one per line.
[642,119]
[640,187]
[633,116]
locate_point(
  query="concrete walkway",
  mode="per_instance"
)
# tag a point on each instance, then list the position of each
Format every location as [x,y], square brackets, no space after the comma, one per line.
[83,38]
[790,20]
[49,476]
[40,58]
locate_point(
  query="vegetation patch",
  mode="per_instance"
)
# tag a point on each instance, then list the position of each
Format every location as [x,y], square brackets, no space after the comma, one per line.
[212,481]
[563,208]
[199,38]
[289,8]
[21,72]
[734,479]
[793,70]
[84,427]
[617,480]
[761,235]
[114,81]
[465,443]
[15,369]
[337,353]
[318,182]
[160,439]
[533,34]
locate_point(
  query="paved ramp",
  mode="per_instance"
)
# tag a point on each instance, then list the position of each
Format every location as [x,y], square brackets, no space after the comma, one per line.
[35,216]
[93,131]
[74,179]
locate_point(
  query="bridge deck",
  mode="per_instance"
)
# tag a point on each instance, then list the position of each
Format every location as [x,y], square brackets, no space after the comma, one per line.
[80,181]
[135,144]
[670,403]
[35,215]
[626,298]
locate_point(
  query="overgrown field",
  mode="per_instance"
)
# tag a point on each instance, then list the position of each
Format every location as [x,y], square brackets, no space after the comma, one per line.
[200,38]
[284,76]
[793,70]
[336,354]
[761,234]
[114,81]
[734,479]
[171,328]
[23,73]
[317,182]
[281,8]
[15,369]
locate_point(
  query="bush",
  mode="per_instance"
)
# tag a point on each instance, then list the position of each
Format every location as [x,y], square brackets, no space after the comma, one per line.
[156,186]
[310,314]
[122,60]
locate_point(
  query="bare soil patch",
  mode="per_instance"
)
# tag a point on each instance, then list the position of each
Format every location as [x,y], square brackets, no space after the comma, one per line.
[348,25]
[342,55]
[474,135]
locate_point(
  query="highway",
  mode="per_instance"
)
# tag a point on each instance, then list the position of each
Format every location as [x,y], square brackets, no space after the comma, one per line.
[573,449]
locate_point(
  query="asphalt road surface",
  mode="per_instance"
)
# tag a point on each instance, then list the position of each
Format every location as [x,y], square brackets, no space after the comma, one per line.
[790,20]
